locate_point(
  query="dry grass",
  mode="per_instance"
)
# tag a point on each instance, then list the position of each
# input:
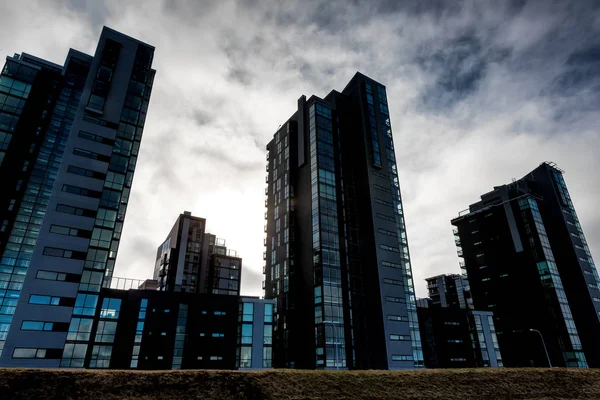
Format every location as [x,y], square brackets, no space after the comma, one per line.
[286,384]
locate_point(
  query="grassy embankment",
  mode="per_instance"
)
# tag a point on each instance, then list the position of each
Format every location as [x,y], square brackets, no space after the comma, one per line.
[284,384]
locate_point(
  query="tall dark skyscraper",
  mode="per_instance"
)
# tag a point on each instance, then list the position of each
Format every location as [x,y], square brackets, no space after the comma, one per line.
[528,261]
[192,260]
[38,103]
[62,247]
[336,258]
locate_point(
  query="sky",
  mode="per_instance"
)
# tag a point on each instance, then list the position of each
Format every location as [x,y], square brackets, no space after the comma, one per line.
[480,92]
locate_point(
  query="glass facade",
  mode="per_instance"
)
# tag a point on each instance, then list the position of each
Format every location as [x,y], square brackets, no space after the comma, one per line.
[180,336]
[329,315]
[106,234]
[551,280]
[400,233]
[23,236]
[565,199]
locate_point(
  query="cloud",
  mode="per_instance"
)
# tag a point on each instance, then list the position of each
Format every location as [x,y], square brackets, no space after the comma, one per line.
[479,93]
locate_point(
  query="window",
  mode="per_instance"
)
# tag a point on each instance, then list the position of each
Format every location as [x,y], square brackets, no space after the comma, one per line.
[248,312]
[452,323]
[114,180]
[389,248]
[110,198]
[402,357]
[399,337]
[245,357]
[455,341]
[397,318]
[218,335]
[216,358]
[63,208]
[80,329]
[269,312]
[106,218]
[96,259]
[95,138]
[36,326]
[220,312]
[106,331]
[388,233]
[267,357]
[85,172]
[56,252]
[90,154]
[391,265]
[110,308]
[246,333]
[85,304]
[386,217]
[119,164]
[67,231]
[100,357]
[394,299]
[91,281]
[392,281]
[267,334]
[44,300]
[20,352]
[51,276]
[101,238]
[383,202]
[381,188]
[73,355]
[81,191]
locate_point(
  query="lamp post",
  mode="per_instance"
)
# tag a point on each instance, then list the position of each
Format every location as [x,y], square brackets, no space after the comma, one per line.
[543,343]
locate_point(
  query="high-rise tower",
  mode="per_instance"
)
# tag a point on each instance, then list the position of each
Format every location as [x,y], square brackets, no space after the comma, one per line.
[528,261]
[336,258]
[96,126]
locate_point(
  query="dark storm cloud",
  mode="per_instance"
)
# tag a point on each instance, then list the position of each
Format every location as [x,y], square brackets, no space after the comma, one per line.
[582,73]
[459,64]
[479,92]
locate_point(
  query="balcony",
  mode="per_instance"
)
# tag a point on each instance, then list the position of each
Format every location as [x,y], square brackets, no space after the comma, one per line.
[267,190]
[263,285]
[266,202]
[266,215]
[264,255]
[268,156]
[267,179]
[457,242]
[455,231]
[265,228]
[459,252]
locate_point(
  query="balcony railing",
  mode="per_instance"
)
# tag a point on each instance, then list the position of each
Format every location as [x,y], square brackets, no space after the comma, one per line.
[123,283]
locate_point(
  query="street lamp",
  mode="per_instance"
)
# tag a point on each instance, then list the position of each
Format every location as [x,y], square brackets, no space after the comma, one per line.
[543,343]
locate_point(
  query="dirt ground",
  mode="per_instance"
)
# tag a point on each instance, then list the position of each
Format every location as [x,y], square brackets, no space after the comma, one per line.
[288,384]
